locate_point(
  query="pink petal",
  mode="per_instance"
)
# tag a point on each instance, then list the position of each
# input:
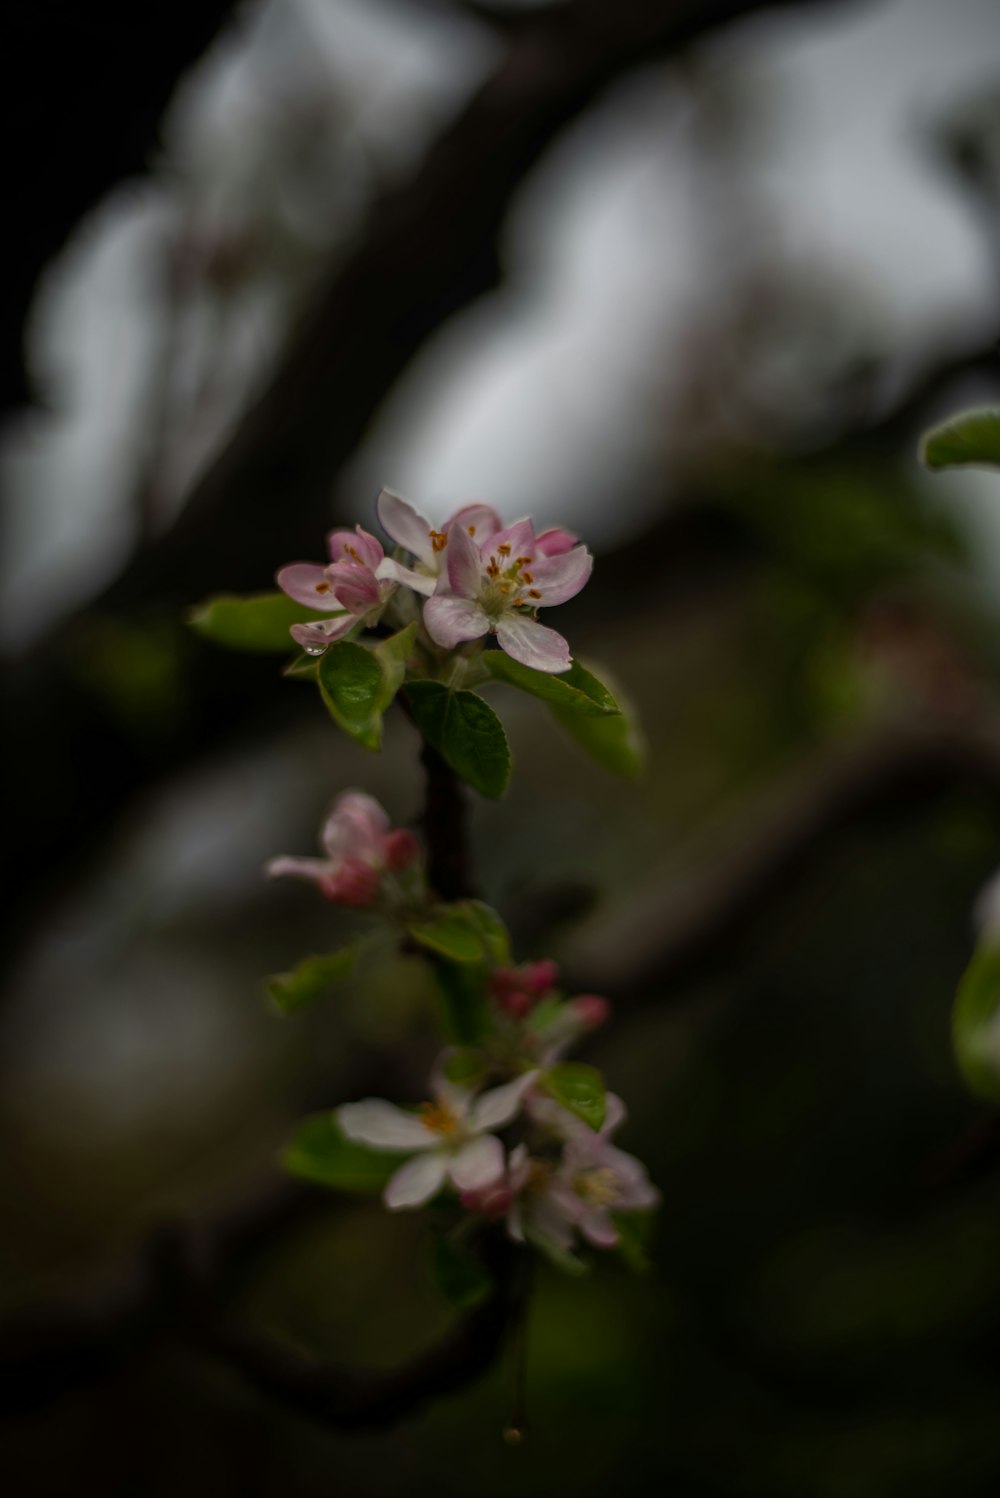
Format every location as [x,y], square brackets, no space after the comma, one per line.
[532,644]
[478,520]
[356,587]
[615,1113]
[320,633]
[356,828]
[416,1182]
[554,541]
[464,565]
[561,577]
[406,526]
[477,1164]
[383,1126]
[315,869]
[520,537]
[308,583]
[451,620]
[393,571]
[597,1227]
[355,546]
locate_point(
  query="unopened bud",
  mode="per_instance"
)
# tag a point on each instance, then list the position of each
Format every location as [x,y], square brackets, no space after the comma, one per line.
[490,1202]
[540,977]
[516,1003]
[355,884]
[591,1010]
[402,850]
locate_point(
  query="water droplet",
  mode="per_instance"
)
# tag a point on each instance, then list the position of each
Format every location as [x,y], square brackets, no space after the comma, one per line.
[514,1435]
[314,649]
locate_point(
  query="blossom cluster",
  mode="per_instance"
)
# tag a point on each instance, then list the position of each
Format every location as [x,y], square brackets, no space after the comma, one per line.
[474,577]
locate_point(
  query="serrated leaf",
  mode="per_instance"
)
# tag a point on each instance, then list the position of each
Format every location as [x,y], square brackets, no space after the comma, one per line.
[467,931]
[393,655]
[576,690]
[970,439]
[976,1026]
[616,742]
[255,621]
[580,1089]
[465,731]
[311,979]
[352,685]
[459,1273]
[320,1152]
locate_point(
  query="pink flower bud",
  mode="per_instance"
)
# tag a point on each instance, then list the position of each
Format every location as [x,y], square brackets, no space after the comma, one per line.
[354,883]
[540,977]
[591,1010]
[516,1003]
[490,1202]
[401,850]
[503,980]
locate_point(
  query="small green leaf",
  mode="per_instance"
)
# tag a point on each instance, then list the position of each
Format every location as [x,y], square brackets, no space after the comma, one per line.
[320,1152]
[311,979]
[972,438]
[576,690]
[255,622]
[459,1273]
[615,743]
[580,1088]
[393,655]
[975,1027]
[466,1017]
[467,931]
[352,685]
[635,1236]
[465,731]
[304,667]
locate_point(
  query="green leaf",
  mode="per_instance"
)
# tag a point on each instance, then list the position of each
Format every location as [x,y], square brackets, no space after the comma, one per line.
[311,979]
[972,438]
[576,690]
[615,743]
[465,731]
[975,1032]
[466,1017]
[580,1088]
[256,622]
[320,1152]
[352,684]
[393,655]
[459,1273]
[635,1236]
[467,931]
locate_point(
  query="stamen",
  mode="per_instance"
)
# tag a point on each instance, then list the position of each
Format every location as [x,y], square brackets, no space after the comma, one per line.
[523,561]
[533,592]
[528,577]
[438,540]
[438,1117]
[504,549]
[322,587]
[472,530]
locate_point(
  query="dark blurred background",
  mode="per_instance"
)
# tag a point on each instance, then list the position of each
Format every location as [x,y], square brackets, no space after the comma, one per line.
[689,278]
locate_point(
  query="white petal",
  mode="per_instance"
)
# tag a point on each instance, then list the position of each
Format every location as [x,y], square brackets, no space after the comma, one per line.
[450,620]
[308,583]
[597,1227]
[481,521]
[383,1126]
[497,1107]
[477,1164]
[356,828]
[533,645]
[615,1114]
[417,1181]
[405,525]
[299,868]
[420,582]
[465,568]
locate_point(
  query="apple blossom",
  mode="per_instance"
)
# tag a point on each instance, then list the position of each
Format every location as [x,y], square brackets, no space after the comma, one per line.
[496,587]
[361,847]
[450,1139]
[350,583]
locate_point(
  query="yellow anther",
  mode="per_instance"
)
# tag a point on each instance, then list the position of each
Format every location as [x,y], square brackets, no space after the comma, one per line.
[533,592]
[438,1117]
[504,549]
[523,561]
[438,540]
[322,587]
[598,1187]
[528,577]
[472,530]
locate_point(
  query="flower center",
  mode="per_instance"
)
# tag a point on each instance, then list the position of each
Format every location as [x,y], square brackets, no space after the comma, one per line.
[507,583]
[439,1118]
[597,1187]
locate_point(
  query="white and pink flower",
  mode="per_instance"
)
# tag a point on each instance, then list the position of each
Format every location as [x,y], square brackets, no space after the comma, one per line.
[495,586]
[352,585]
[361,847]
[450,1139]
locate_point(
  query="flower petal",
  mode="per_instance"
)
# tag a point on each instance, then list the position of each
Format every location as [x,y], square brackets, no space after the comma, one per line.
[416,1182]
[316,869]
[356,587]
[451,620]
[615,1114]
[554,541]
[519,537]
[477,1164]
[558,578]
[478,520]
[464,565]
[596,1226]
[355,546]
[493,1109]
[383,1126]
[393,571]
[320,633]
[308,583]
[356,828]
[532,644]
[407,527]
